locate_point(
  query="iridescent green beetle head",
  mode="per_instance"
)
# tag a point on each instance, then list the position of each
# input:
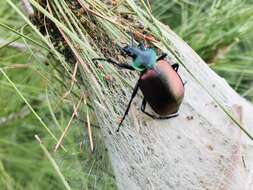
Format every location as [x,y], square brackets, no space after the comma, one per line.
[143,58]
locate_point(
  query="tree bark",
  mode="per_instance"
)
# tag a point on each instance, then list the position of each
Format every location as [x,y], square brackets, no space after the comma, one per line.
[200,149]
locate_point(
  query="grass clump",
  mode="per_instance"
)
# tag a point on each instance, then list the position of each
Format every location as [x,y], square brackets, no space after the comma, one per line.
[43,82]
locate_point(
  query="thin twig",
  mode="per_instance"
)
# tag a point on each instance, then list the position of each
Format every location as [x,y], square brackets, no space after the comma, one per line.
[18,66]
[73,80]
[89,128]
[69,124]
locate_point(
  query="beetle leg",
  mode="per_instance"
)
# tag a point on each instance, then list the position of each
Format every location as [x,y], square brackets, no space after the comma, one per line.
[110,60]
[129,104]
[168,116]
[142,46]
[175,67]
[161,57]
[143,106]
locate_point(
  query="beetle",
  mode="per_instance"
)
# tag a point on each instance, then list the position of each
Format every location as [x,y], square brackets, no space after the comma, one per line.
[161,85]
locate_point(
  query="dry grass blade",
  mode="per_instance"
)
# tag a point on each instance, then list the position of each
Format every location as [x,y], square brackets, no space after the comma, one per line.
[74,114]
[89,128]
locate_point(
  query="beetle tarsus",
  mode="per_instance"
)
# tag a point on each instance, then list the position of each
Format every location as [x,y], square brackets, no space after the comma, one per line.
[169,116]
[175,67]
[143,106]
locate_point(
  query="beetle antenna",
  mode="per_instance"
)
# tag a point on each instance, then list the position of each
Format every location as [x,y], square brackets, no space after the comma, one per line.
[132,39]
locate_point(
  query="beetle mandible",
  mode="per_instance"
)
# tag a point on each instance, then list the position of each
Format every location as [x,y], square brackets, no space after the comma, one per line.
[162,87]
